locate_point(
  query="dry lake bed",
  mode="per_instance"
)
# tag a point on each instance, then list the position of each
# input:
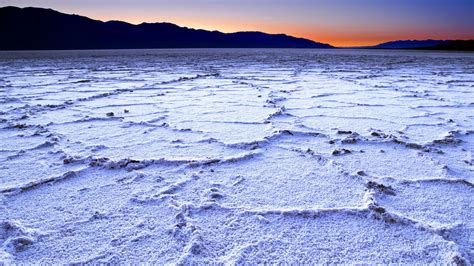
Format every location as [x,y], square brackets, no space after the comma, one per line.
[236,156]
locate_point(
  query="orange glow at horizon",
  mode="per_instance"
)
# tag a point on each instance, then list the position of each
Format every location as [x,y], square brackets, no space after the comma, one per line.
[330,35]
[340,23]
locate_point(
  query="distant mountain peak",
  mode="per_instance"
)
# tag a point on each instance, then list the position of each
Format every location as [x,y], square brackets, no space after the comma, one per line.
[45,29]
[406,44]
[466,45]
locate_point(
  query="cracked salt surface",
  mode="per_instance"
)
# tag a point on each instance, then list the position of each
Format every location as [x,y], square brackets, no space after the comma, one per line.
[236,156]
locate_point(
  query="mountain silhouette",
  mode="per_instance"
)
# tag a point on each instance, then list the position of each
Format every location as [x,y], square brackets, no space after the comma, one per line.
[46,29]
[455,45]
[408,44]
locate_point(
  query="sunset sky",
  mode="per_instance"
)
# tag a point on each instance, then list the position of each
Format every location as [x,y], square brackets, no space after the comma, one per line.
[338,22]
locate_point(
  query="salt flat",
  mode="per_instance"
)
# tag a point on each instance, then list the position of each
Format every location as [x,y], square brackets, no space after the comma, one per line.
[236,156]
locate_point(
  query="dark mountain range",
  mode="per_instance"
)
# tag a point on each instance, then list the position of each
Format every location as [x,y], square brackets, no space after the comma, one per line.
[455,46]
[408,44]
[46,29]
[428,45]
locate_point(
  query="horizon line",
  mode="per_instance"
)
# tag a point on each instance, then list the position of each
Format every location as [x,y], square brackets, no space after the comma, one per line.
[244,30]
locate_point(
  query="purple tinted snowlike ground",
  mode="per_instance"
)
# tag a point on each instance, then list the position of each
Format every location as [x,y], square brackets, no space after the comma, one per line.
[233,156]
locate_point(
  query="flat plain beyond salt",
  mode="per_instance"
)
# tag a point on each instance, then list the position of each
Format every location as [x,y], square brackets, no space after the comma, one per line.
[237,155]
